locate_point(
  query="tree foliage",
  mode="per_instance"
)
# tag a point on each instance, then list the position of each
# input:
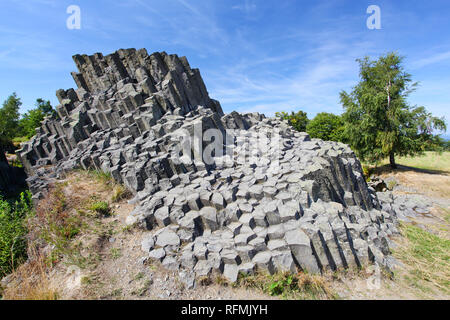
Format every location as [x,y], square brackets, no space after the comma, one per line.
[326,126]
[9,118]
[14,127]
[33,118]
[379,123]
[444,145]
[298,120]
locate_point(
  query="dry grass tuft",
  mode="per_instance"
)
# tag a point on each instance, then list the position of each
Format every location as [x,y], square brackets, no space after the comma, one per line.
[120,193]
[31,281]
[56,221]
[67,228]
[301,285]
[426,258]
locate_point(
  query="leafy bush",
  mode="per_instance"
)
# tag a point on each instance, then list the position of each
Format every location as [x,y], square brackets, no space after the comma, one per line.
[438,144]
[13,243]
[33,118]
[18,140]
[446,145]
[9,118]
[298,120]
[367,172]
[326,126]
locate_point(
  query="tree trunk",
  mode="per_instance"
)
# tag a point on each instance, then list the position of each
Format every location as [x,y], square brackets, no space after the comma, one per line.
[392,161]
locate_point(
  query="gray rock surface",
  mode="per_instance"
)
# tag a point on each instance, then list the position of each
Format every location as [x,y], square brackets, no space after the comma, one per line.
[278,201]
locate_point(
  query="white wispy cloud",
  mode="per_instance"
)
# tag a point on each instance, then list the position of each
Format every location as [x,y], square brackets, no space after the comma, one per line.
[29,51]
[32,5]
[309,79]
[247,6]
[433,59]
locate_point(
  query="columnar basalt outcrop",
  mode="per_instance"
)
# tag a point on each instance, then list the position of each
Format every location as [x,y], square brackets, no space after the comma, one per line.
[217,193]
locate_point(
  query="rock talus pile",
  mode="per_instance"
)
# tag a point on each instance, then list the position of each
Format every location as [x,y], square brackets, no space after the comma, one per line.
[233,193]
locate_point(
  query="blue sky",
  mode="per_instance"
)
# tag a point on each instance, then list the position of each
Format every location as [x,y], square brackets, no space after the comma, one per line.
[263,56]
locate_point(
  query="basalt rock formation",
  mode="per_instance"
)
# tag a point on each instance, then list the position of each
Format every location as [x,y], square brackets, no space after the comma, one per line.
[273,200]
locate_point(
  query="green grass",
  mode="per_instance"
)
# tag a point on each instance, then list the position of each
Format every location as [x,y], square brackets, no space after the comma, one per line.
[143,289]
[54,225]
[429,161]
[139,276]
[101,207]
[102,177]
[116,293]
[13,230]
[300,286]
[447,218]
[115,253]
[18,140]
[119,192]
[16,163]
[427,257]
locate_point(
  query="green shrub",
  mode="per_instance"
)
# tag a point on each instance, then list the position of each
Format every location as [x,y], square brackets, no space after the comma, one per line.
[18,140]
[298,120]
[13,243]
[367,171]
[326,126]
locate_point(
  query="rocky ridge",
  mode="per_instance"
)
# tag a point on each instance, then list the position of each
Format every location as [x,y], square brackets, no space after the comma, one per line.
[265,198]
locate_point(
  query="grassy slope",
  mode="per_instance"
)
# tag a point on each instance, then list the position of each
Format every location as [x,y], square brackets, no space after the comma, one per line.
[58,230]
[424,248]
[426,259]
[430,161]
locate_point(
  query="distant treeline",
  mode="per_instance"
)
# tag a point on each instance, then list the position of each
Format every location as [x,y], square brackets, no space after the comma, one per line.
[331,127]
